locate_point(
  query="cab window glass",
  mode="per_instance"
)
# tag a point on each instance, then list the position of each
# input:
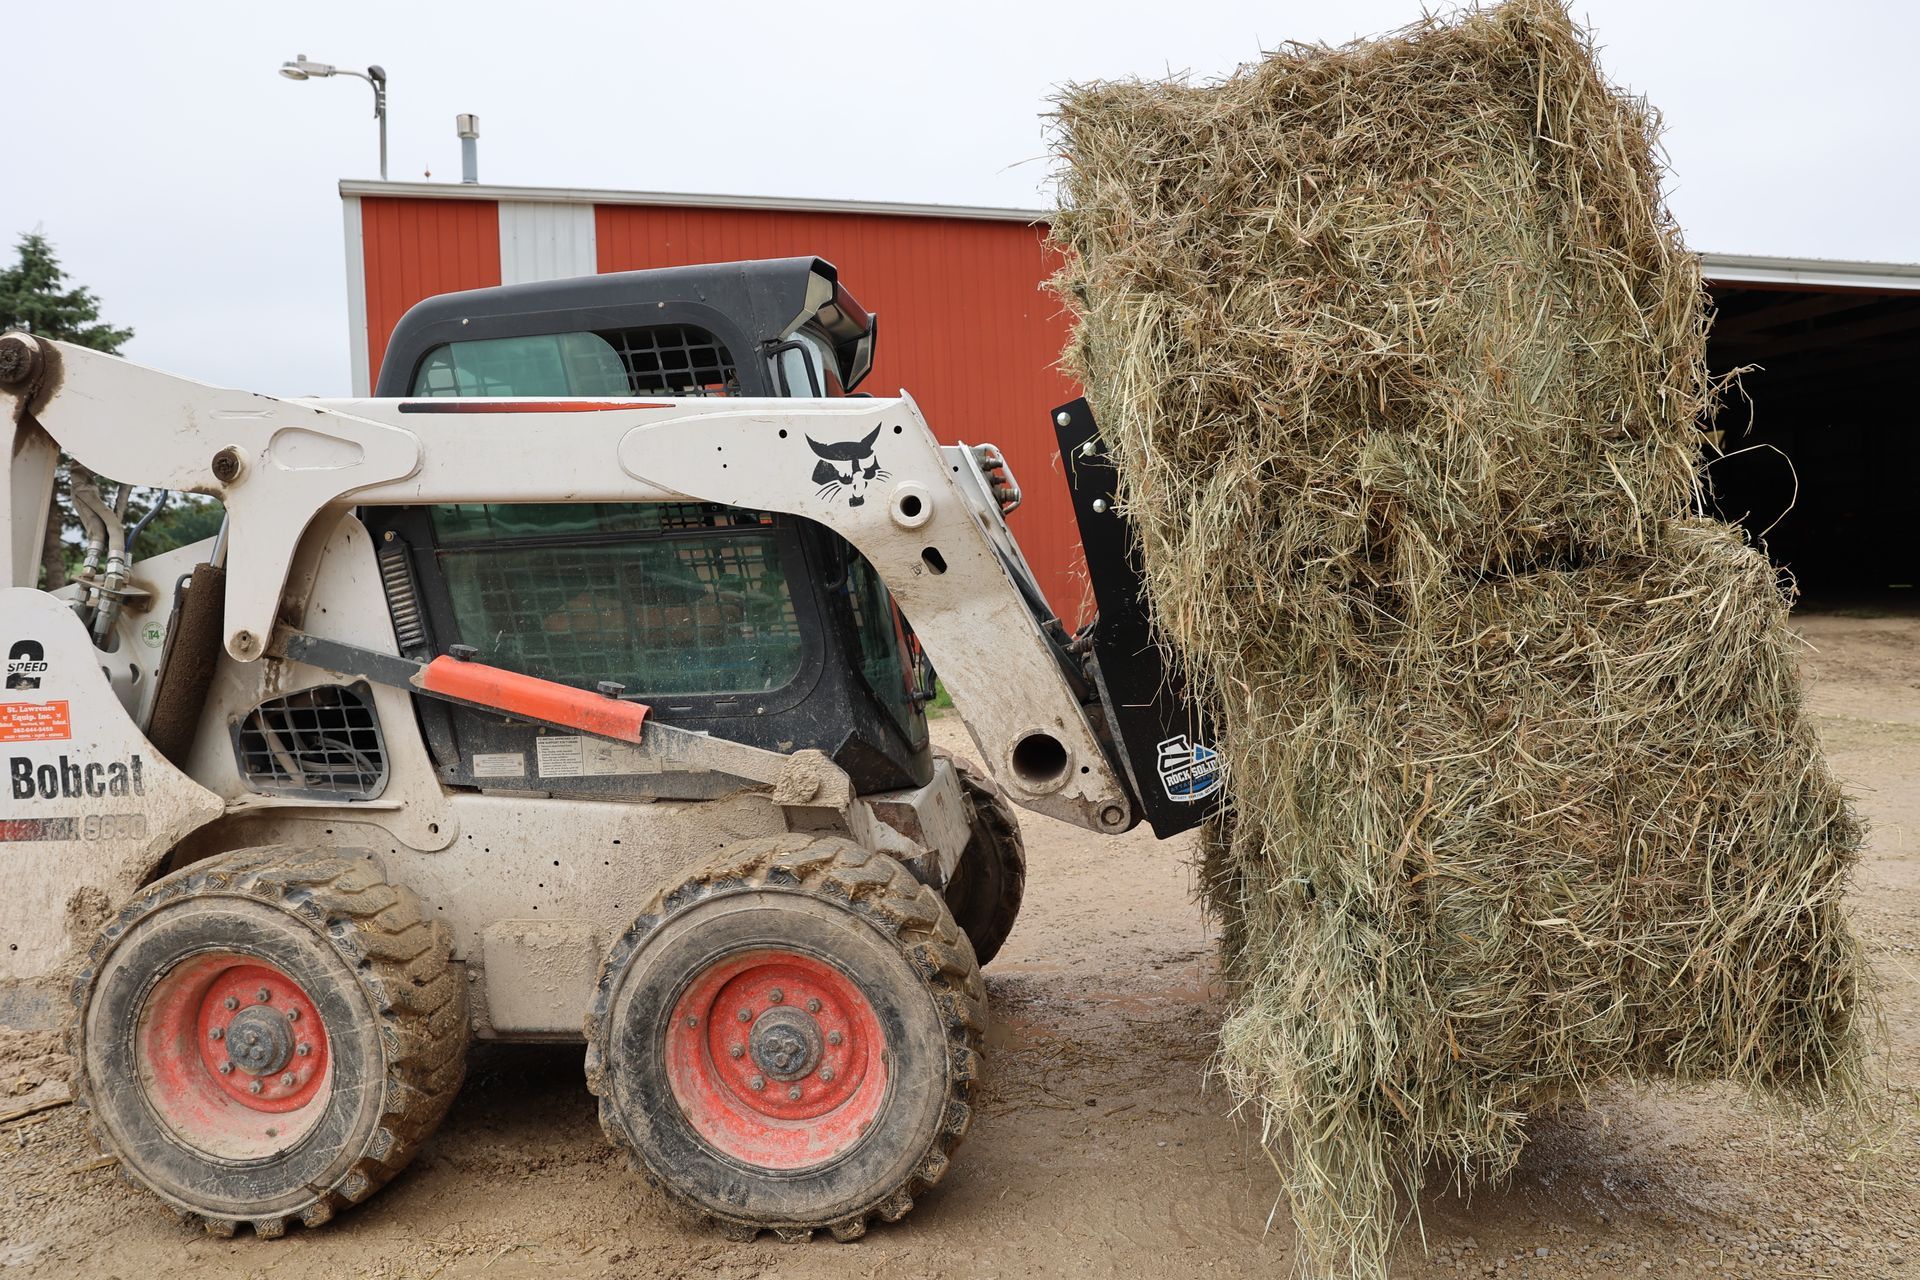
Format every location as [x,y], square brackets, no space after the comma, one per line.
[550,364]
[666,598]
[656,360]
[883,660]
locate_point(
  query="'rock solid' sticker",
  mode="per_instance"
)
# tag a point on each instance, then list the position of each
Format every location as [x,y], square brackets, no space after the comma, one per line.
[1188,771]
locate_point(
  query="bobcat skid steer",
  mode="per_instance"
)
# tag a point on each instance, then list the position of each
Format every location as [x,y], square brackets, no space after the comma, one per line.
[563,691]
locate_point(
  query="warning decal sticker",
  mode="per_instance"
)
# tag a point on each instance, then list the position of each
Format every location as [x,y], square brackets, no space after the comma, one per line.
[499,764]
[35,722]
[571,757]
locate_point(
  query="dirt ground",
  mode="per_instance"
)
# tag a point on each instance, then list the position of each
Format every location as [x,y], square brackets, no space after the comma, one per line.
[1102,1148]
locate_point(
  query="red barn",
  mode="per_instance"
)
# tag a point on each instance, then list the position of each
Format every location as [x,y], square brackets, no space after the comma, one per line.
[966,324]
[969,328]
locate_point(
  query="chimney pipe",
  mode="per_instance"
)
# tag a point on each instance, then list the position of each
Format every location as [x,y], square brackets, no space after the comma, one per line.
[469,130]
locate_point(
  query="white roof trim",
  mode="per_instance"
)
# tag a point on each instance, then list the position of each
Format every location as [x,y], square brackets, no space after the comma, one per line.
[689,200]
[1719,268]
[356,244]
[1810,273]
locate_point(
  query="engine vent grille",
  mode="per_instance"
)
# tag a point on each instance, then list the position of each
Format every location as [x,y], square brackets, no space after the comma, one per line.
[321,743]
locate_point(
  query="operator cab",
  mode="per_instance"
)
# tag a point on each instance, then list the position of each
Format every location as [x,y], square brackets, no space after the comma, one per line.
[784,327]
[761,628]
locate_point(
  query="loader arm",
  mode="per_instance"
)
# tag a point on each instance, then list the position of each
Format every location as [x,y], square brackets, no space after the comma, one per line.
[279,465]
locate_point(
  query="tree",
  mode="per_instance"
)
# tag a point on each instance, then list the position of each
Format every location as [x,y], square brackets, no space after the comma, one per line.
[34,296]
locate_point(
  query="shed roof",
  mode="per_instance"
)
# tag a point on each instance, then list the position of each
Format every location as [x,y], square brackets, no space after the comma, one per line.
[1720,268]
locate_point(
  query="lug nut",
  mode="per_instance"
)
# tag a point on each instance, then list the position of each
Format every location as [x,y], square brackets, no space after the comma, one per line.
[287,1080]
[826,1073]
[293,1015]
[735,1051]
[226,1068]
[254,1087]
[263,995]
[215,1033]
[793,1093]
[692,1021]
[746,1015]
[757,1083]
[230,1003]
[834,1037]
[813,1006]
[303,1049]
[776,995]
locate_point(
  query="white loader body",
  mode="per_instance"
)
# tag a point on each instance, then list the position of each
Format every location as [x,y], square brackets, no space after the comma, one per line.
[531,887]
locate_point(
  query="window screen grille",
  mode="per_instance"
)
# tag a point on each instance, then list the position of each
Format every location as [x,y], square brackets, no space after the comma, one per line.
[674,360]
[497,521]
[690,615]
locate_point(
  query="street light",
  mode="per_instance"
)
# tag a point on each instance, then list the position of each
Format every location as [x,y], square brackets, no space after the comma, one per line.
[301,69]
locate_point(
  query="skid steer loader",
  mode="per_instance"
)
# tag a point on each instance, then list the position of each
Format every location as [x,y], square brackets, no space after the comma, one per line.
[571,688]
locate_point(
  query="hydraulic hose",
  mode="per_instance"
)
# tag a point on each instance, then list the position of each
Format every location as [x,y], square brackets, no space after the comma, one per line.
[92,511]
[86,496]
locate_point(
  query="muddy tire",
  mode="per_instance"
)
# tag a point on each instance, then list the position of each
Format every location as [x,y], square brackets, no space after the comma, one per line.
[268,1036]
[990,880]
[790,1040]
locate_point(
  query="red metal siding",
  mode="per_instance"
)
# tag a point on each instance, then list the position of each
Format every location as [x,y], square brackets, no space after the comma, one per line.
[965,326]
[417,248]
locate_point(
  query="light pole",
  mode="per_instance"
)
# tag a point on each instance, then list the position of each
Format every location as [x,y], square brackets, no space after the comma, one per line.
[301,69]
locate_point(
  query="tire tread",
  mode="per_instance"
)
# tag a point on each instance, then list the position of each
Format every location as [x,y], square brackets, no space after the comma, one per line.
[888,897]
[992,819]
[401,961]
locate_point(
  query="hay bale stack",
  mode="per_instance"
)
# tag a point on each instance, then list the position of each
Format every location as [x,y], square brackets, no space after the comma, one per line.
[1402,361]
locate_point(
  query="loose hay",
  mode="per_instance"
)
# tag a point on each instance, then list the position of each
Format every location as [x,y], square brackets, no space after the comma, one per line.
[1403,364]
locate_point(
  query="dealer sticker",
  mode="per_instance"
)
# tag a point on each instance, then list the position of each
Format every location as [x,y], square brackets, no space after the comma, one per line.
[35,722]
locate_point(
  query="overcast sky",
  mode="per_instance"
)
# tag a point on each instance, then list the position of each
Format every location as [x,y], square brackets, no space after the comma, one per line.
[194,189]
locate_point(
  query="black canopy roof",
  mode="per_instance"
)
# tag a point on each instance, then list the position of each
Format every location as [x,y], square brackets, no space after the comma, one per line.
[748,305]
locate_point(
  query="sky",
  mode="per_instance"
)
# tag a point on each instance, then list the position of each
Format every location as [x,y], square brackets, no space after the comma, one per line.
[193,189]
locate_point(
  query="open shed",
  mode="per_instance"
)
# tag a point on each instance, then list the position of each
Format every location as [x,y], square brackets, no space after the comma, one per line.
[1821,443]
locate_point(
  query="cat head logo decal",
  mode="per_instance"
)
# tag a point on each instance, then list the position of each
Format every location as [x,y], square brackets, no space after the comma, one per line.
[849,465]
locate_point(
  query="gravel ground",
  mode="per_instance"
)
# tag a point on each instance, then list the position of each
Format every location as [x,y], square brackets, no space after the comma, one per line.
[1102,1149]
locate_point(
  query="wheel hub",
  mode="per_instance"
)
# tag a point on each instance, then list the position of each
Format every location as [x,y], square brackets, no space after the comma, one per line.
[785,1043]
[262,1042]
[777,1058]
[258,1041]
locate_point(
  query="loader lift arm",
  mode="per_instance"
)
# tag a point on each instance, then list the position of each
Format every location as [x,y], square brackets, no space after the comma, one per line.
[281,466]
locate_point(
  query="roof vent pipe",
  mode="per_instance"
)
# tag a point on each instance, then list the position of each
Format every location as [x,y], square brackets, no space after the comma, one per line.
[469,130]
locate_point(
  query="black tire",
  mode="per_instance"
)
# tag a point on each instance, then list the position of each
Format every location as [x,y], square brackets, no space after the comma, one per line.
[837,909]
[988,884]
[385,1034]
